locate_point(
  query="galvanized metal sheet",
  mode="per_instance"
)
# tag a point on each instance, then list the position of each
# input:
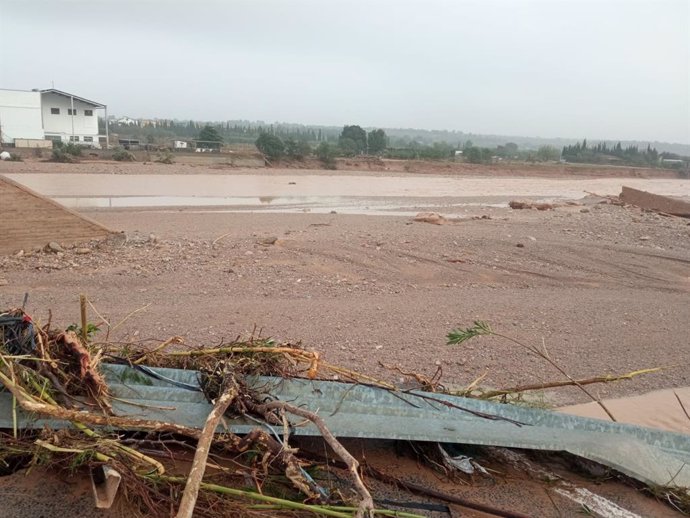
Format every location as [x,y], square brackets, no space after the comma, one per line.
[651,456]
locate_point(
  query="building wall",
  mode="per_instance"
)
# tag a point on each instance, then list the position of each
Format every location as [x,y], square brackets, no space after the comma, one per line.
[61,124]
[20,115]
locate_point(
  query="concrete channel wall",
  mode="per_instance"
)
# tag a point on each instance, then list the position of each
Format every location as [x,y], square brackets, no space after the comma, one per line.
[30,220]
[650,201]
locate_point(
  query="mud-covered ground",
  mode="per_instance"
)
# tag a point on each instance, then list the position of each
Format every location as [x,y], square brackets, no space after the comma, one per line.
[604,288]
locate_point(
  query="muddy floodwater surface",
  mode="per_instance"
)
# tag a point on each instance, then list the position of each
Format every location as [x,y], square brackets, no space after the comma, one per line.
[392,195]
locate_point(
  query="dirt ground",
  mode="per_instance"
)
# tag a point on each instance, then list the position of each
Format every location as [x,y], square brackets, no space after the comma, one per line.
[604,288]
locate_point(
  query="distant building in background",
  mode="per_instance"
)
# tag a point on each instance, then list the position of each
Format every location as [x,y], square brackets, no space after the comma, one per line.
[30,118]
[126,121]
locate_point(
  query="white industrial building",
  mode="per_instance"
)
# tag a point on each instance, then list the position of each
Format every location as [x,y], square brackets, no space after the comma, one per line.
[29,118]
[20,116]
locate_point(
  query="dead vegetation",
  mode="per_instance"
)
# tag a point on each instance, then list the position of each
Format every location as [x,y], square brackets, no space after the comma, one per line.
[57,374]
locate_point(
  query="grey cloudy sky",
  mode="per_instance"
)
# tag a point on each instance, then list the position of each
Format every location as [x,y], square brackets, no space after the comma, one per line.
[615,69]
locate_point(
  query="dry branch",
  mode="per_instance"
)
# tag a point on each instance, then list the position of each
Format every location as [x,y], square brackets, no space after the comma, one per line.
[366,504]
[196,472]
[569,383]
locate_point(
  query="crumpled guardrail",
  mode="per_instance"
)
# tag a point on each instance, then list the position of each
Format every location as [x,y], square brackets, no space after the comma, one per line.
[651,456]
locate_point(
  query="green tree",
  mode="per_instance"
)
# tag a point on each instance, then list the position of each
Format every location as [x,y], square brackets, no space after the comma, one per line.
[210,134]
[348,146]
[327,153]
[547,153]
[270,146]
[472,154]
[297,149]
[377,141]
[357,135]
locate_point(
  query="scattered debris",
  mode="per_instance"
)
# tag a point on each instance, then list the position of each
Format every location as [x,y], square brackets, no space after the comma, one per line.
[53,247]
[462,463]
[267,241]
[518,205]
[105,482]
[140,411]
[430,217]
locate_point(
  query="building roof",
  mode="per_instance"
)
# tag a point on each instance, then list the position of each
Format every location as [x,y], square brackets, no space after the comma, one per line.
[76,97]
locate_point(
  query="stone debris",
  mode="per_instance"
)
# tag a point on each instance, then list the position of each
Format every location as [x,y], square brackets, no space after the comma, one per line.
[267,241]
[430,217]
[53,247]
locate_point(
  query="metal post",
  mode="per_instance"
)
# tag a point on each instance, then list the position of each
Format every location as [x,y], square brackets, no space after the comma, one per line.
[107,138]
[72,102]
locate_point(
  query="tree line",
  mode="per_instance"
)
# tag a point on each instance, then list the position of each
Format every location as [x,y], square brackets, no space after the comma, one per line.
[602,153]
[298,142]
[352,141]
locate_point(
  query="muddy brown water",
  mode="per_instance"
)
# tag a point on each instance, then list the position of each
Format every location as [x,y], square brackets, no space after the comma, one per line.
[665,409]
[318,193]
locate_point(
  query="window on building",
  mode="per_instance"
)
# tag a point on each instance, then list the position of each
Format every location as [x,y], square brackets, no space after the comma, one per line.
[55,111]
[88,139]
[70,111]
[88,113]
[74,138]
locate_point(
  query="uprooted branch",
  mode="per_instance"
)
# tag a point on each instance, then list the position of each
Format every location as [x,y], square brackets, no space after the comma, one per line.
[196,472]
[366,504]
[556,384]
[480,328]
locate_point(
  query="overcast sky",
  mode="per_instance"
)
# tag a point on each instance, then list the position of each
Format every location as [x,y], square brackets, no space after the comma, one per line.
[614,69]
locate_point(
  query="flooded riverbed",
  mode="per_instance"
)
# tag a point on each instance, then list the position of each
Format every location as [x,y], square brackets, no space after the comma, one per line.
[318,193]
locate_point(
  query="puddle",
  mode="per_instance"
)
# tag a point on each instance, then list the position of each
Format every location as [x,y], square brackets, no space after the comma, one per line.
[659,409]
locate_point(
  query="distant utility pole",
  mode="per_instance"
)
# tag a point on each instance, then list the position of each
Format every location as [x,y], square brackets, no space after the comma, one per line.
[72,102]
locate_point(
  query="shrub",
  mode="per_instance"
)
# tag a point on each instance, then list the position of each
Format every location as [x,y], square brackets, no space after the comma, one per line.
[70,149]
[165,157]
[15,157]
[38,152]
[60,155]
[66,153]
[122,155]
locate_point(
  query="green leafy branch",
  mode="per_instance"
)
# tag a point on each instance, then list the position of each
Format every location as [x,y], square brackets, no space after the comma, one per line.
[481,328]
